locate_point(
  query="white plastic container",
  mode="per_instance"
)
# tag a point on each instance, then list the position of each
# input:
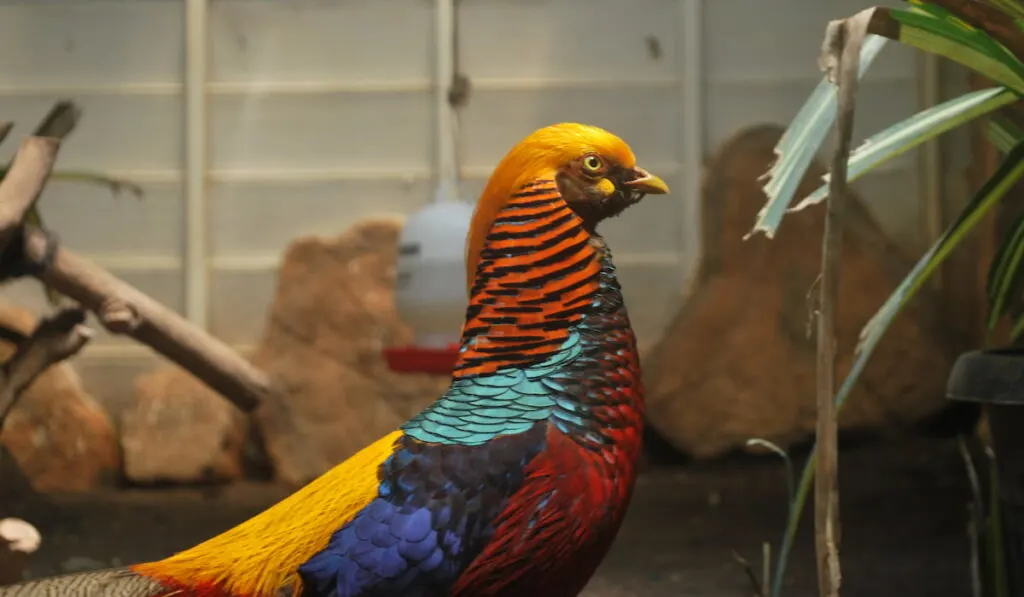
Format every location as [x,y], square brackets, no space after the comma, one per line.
[430,292]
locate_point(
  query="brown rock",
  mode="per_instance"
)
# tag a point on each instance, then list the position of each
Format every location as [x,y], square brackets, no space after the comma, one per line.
[737,361]
[333,314]
[179,430]
[60,437]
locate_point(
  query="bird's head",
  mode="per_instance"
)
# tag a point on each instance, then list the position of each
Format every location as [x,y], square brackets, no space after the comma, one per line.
[596,173]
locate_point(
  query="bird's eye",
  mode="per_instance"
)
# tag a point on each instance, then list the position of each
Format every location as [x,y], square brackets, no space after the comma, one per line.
[592,164]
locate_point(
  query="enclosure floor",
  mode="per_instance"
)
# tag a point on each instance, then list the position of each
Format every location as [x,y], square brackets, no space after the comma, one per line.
[903,512]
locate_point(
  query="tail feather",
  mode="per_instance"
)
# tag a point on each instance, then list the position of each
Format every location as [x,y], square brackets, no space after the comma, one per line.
[117,582]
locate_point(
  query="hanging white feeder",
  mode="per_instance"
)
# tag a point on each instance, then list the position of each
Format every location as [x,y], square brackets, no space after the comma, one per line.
[430,291]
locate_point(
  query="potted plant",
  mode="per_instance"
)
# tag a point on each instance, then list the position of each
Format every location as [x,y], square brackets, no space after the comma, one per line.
[987,37]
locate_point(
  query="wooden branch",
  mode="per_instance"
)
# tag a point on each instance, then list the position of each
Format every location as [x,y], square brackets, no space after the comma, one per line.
[122,309]
[59,121]
[11,335]
[840,58]
[54,339]
[5,129]
[24,182]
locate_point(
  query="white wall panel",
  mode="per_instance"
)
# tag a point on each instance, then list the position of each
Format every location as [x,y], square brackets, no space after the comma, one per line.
[350,41]
[781,40]
[261,218]
[320,130]
[92,43]
[569,39]
[320,114]
[97,223]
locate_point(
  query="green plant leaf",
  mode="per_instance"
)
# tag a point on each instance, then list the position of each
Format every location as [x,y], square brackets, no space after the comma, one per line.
[1018,328]
[996,543]
[1002,180]
[800,144]
[919,128]
[1003,133]
[925,26]
[1011,8]
[1005,272]
[936,30]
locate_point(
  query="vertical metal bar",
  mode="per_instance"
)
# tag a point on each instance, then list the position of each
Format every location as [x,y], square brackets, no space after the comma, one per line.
[691,135]
[444,66]
[195,249]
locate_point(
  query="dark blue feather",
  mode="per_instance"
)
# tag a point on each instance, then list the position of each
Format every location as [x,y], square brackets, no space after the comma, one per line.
[436,508]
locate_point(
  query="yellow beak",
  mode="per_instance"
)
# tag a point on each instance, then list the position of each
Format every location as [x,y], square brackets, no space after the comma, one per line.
[645,182]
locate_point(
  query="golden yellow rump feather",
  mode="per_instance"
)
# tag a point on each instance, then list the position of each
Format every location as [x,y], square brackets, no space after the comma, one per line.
[263,554]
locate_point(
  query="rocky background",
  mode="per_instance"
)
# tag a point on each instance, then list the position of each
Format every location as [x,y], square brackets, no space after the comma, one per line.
[735,362]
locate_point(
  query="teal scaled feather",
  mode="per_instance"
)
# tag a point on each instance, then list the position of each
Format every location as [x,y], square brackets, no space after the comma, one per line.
[477,409]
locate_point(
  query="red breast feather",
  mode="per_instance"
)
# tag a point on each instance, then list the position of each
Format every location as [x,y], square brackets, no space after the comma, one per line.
[557,528]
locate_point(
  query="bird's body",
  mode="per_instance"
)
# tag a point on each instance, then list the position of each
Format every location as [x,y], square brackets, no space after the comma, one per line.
[515,481]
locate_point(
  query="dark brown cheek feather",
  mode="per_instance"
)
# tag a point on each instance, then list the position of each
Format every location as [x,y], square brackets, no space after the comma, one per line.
[587,201]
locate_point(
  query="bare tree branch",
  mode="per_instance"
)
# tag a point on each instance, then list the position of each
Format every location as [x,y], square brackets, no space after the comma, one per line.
[5,129]
[24,182]
[54,339]
[11,335]
[122,309]
[59,121]
[840,58]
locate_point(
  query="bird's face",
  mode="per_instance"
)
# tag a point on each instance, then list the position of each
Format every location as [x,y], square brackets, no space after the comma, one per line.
[598,186]
[596,173]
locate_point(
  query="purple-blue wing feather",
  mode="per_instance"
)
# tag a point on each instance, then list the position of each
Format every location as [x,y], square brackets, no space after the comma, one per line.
[434,512]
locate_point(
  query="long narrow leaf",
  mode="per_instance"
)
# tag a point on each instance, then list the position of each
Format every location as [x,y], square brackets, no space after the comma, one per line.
[1012,9]
[934,29]
[800,144]
[1009,172]
[1004,272]
[996,543]
[925,26]
[919,128]
[1018,328]
[1003,133]
[1002,180]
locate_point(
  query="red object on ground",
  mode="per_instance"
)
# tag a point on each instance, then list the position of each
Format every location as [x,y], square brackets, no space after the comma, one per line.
[413,359]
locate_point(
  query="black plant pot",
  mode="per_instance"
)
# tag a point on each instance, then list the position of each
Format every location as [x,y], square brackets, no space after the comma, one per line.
[995,378]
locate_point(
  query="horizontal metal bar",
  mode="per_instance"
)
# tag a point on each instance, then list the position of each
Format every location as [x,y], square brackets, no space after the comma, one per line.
[410,175]
[810,79]
[256,88]
[229,88]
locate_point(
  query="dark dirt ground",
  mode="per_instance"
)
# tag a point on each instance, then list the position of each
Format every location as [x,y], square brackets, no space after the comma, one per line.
[903,511]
